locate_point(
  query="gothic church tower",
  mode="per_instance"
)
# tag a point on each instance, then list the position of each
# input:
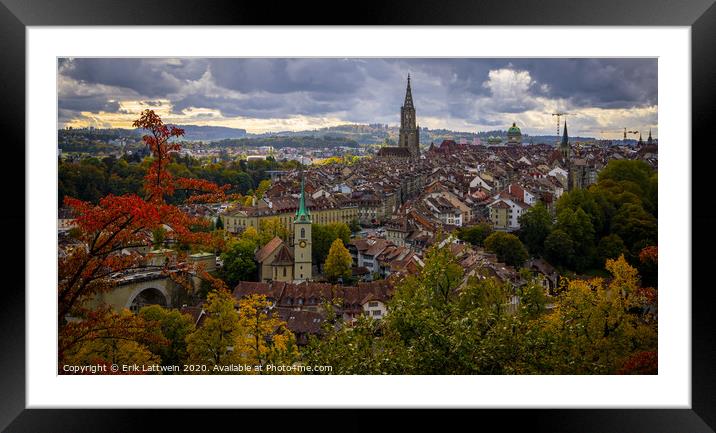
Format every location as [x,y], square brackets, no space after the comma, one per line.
[302,267]
[564,147]
[409,134]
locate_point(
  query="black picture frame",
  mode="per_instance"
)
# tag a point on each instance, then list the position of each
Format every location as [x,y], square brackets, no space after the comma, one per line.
[700,15]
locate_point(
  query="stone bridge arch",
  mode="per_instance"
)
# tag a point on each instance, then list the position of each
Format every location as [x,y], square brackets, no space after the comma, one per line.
[142,296]
[143,289]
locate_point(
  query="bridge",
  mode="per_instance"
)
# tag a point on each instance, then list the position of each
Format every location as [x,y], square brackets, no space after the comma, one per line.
[139,288]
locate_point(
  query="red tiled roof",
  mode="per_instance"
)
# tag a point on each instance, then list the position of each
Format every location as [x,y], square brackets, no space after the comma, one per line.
[267,249]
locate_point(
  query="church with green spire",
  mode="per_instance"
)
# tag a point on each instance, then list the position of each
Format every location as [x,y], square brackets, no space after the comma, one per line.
[302,266]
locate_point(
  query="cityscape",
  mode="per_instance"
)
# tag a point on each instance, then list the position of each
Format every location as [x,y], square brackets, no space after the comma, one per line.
[357,216]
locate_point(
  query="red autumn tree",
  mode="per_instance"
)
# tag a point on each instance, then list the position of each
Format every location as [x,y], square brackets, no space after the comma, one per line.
[641,363]
[649,266]
[108,232]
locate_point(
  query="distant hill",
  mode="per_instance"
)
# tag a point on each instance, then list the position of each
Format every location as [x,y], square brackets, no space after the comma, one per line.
[349,135]
[278,141]
[211,133]
[361,134]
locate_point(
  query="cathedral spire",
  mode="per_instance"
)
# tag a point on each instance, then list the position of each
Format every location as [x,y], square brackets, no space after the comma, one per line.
[564,144]
[408,95]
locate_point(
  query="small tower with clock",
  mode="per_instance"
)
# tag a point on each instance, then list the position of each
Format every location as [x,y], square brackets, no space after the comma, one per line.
[302,270]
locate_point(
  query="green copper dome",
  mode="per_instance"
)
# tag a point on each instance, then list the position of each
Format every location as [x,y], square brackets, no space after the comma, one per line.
[514,129]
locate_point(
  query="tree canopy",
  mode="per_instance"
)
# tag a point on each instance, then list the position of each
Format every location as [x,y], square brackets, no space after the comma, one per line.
[508,247]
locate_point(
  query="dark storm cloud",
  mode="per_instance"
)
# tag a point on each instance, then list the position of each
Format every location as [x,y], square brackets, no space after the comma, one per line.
[89,103]
[329,76]
[360,90]
[266,105]
[604,83]
[149,77]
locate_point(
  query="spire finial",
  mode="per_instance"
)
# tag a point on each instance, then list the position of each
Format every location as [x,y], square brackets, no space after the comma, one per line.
[408,95]
[302,210]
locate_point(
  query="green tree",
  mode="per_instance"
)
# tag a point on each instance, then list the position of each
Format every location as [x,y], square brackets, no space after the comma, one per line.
[322,237]
[590,203]
[476,234]
[636,171]
[175,327]
[219,224]
[448,325]
[508,247]
[533,299]
[610,247]
[362,346]
[535,226]
[578,226]
[338,263]
[239,263]
[559,248]
[636,226]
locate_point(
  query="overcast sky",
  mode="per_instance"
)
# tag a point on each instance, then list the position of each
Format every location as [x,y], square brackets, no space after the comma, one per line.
[263,94]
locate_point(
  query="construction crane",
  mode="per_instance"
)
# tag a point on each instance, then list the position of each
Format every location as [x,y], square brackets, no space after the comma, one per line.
[560,114]
[629,132]
[613,131]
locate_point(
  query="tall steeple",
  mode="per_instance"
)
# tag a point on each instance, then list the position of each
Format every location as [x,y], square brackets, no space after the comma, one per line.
[408,96]
[649,141]
[564,144]
[302,210]
[409,135]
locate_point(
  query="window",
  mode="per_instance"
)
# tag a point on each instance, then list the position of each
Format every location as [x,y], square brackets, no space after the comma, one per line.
[373,304]
[376,312]
[303,232]
[284,272]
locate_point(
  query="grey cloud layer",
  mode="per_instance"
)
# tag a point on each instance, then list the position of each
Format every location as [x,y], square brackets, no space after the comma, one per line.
[357,90]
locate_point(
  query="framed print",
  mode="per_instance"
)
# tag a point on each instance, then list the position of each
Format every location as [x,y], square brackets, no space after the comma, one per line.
[465,213]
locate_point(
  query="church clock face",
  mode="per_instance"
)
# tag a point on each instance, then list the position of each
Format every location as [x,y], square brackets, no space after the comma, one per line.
[302,244]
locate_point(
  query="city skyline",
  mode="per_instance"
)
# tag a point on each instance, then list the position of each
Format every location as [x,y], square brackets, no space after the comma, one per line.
[276,94]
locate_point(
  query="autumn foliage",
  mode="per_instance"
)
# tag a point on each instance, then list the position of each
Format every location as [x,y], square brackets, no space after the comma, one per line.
[107,233]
